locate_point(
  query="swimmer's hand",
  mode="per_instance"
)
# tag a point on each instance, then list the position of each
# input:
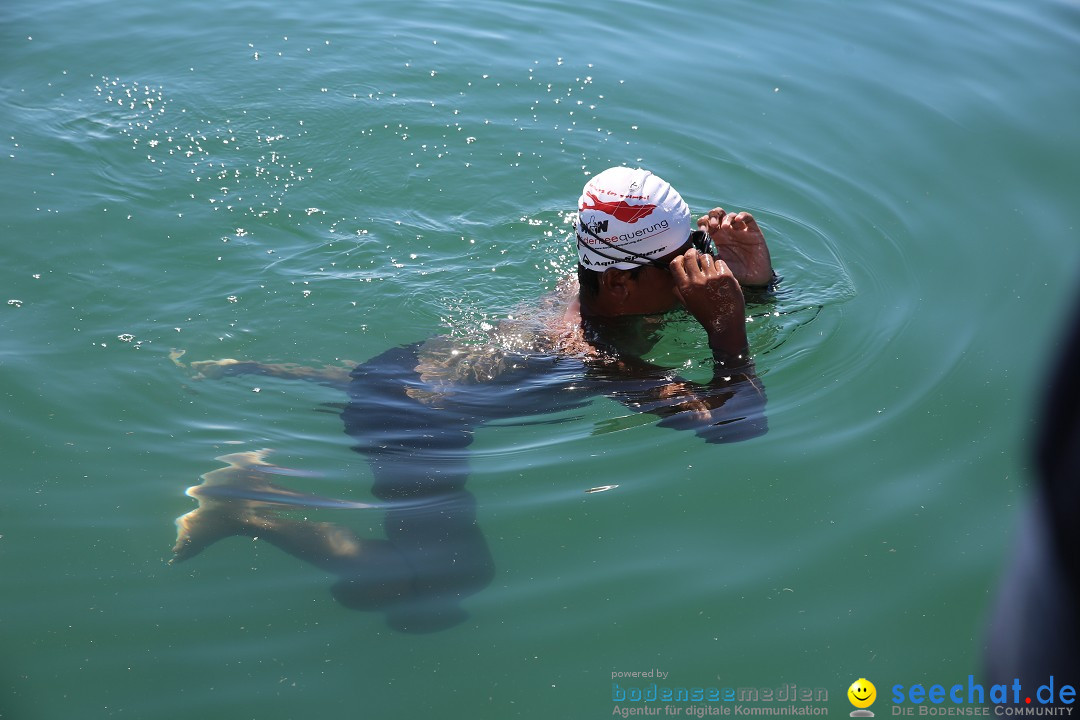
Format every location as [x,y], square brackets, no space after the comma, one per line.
[217,369]
[741,244]
[709,291]
[332,375]
[213,369]
[728,409]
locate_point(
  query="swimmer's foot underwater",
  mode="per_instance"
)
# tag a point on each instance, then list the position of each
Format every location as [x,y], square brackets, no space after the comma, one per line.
[332,375]
[245,480]
[239,499]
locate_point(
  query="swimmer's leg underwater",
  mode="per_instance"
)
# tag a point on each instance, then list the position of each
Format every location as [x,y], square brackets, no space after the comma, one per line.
[434,554]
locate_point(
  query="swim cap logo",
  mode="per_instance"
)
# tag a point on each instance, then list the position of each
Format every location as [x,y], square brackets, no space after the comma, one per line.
[862,695]
[621,210]
[597,226]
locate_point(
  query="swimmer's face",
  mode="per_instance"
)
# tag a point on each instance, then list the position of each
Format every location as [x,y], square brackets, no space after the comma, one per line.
[652,291]
[862,693]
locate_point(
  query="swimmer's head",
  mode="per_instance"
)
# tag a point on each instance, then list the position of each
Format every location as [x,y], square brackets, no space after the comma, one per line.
[628,218]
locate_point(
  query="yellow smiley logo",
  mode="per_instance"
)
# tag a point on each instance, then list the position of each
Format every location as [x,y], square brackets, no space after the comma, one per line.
[862,693]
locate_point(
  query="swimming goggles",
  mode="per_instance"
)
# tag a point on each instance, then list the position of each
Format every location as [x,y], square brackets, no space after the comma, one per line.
[699,239]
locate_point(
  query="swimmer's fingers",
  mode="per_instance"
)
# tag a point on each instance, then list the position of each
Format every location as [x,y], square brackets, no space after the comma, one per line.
[748,221]
[695,266]
[733,223]
[698,409]
[742,223]
[696,270]
[710,222]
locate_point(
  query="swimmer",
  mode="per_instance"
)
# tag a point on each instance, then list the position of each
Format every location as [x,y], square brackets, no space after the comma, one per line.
[413,410]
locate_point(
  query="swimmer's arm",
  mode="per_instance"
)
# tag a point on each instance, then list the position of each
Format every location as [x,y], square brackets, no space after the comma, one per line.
[728,408]
[732,405]
[332,375]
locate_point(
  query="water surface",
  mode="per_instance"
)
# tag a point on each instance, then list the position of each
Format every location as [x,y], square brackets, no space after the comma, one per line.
[318,184]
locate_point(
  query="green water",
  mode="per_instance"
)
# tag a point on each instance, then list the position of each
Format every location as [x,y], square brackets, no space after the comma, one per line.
[322,182]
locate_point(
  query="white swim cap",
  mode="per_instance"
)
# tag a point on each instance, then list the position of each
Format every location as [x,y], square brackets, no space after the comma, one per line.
[635,216]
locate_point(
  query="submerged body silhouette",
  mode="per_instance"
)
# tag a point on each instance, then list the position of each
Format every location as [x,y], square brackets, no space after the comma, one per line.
[413,412]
